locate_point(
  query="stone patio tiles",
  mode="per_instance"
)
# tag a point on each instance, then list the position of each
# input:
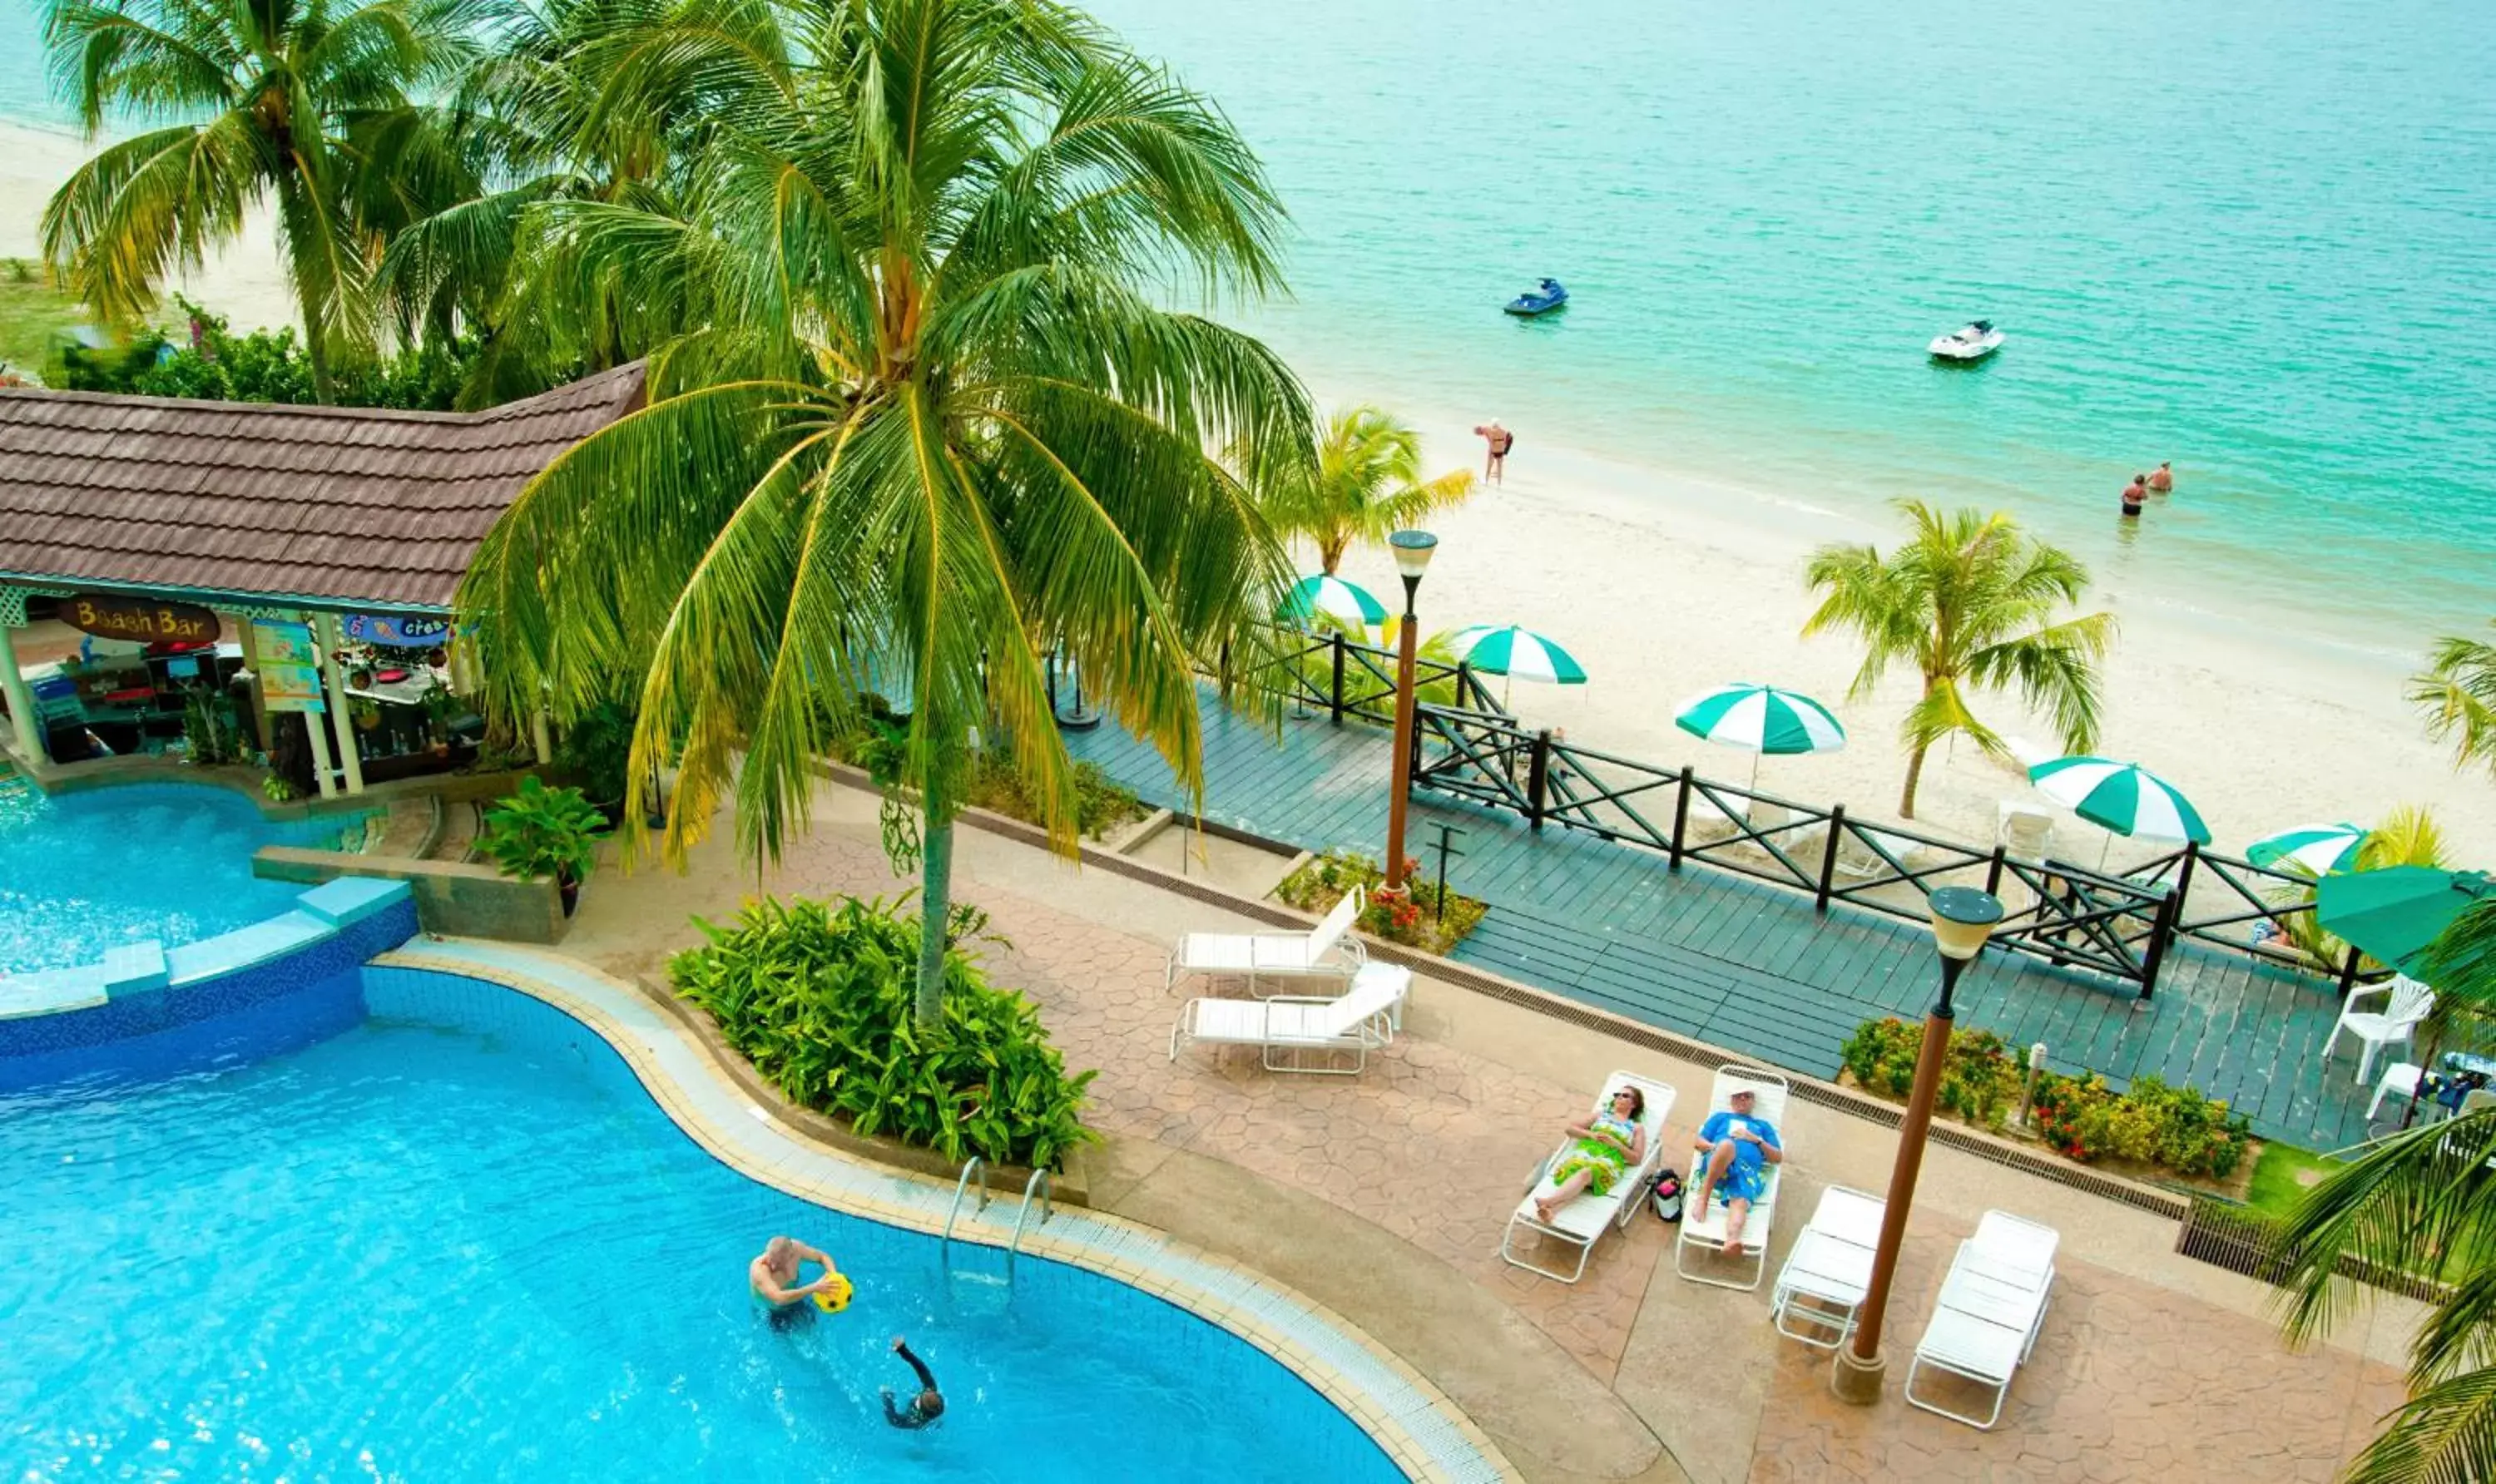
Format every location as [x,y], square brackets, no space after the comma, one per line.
[2151,1366]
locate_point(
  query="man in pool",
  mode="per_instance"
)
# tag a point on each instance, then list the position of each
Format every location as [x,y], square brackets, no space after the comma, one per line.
[773,1277]
[924,1407]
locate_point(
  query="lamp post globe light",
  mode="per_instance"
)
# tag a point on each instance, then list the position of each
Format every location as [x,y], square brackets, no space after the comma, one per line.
[1962,918]
[1413,550]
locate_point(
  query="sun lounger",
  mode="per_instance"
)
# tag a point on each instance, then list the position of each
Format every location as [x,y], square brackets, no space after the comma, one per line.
[1326,951]
[1581,1222]
[1705,1230]
[1820,1291]
[1992,1306]
[1288,1028]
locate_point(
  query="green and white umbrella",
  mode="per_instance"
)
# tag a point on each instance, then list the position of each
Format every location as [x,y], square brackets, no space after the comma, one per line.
[1323,593]
[1761,720]
[1516,654]
[2315,850]
[2122,797]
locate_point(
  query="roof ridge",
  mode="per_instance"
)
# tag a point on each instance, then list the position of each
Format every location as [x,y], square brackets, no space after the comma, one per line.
[482,415]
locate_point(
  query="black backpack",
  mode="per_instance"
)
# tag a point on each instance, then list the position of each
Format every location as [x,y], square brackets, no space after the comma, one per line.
[1666,1194]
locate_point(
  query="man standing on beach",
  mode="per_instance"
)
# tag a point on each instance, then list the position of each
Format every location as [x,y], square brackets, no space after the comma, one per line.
[2162,479]
[1501,440]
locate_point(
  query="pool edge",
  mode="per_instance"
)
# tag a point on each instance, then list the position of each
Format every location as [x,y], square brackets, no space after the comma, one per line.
[1422,1432]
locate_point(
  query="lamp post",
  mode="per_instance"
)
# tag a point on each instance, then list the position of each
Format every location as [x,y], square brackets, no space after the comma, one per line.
[1413,550]
[1963,917]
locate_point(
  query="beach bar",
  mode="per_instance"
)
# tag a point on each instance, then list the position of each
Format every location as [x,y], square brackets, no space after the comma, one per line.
[158,554]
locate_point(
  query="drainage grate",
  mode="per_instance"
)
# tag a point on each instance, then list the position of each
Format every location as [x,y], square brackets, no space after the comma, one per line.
[2235,1239]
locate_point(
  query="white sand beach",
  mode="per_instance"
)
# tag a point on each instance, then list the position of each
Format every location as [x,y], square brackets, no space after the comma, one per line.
[1665,583]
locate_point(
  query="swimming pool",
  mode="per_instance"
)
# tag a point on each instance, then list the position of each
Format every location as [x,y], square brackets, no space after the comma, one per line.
[459,1241]
[134,863]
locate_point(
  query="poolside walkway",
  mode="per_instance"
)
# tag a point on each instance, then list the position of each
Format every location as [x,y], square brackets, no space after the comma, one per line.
[1750,966]
[1384,1197]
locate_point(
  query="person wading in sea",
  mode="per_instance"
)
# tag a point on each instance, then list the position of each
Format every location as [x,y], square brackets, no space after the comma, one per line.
[2162,479]
[1501,440]
[2135,495]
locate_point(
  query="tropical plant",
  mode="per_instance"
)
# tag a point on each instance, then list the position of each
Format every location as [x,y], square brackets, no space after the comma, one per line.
[2457,693]
[820,999]
[311,108]
[215,364]
[596,751]
[211,733]
[1971,602]
[934,427]
[2421,1204]
[1980,1075]
[2150,1122]
[1360,484]
[542,832]
[276,789]
[1413,914]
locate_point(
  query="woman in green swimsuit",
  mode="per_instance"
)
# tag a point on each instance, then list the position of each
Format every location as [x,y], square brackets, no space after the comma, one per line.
[1609,1145]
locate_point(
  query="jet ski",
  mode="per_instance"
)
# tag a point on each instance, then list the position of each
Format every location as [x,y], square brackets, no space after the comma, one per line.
[1968,344]
[1539,301]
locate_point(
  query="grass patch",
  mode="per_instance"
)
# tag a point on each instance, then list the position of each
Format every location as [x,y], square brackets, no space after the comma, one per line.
[32,312]
[2276,1185]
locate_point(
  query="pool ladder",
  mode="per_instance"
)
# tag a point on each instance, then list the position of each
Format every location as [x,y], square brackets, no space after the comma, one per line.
[1039,1185]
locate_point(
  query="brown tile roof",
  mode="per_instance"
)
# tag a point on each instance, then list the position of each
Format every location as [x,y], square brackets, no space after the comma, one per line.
[344,504]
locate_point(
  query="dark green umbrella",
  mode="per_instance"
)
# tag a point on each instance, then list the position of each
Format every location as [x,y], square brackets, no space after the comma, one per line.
[2390,915]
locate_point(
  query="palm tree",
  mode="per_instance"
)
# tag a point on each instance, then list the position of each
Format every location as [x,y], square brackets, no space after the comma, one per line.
[2458,692]
[292,101]
[1362,484]
[2422,1203]
[1970,601]
[930,427]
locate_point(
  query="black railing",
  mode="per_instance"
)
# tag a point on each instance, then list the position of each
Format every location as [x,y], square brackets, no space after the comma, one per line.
[2065,914]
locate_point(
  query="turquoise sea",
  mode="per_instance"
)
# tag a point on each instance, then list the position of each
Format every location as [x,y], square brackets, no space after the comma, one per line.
[2257,238]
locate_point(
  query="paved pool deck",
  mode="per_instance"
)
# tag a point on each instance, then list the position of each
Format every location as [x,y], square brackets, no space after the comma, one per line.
[1383,1197]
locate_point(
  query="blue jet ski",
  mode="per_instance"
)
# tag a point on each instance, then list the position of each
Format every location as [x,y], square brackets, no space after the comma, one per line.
[1540,300]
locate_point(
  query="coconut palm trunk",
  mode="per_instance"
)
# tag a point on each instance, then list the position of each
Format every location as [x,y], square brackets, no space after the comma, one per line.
[936,907]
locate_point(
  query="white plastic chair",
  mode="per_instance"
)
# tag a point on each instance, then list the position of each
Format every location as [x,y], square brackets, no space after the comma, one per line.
[2400,1080]
[1991,1307]
[1822,1286]
[1363,1020]
[1582,1221]
[1326,951]
[1704,1230]
[2024,830]
[2409,1002]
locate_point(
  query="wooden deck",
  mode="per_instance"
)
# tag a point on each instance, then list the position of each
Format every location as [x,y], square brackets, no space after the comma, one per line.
[1751,967]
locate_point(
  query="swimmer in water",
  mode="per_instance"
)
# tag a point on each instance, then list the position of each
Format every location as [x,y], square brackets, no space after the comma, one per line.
[924,1407]
[773,1277]
[2162,479]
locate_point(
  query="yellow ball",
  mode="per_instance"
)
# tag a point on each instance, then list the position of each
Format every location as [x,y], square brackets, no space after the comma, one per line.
[834,1299]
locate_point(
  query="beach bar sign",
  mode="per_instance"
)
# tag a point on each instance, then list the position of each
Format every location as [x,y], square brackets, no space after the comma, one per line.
[390,632]
[144,619]
[289,665]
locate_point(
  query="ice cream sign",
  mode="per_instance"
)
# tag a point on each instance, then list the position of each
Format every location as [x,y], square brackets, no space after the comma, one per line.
[393,632]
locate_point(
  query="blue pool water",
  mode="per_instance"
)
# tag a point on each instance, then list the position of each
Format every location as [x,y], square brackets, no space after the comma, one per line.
[168,862]
[459,1242]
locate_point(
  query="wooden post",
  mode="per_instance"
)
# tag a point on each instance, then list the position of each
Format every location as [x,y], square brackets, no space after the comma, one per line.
[1538,777]
[1993,876]
[1680,819]
[2349,972]
[324,775]
[325,627]
[1334,703]
[2184,873]
[2162,928]
[1829,855]
[1465,686]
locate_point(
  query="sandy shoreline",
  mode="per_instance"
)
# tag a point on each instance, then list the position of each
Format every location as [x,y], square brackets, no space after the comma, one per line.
[1663,583]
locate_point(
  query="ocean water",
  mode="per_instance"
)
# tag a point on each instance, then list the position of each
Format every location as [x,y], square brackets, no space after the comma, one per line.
[459,1242]
[2252,236]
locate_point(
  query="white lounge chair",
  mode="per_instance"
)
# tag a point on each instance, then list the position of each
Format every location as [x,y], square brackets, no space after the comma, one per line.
[1581,1222]
[1363,1020]
[1992,1307]
[2409,1002]
[1704,1230]
[1820,1288]
[1326,951]
[2023,830]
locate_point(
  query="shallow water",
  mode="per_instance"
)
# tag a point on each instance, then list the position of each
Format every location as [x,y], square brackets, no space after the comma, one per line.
[167,863]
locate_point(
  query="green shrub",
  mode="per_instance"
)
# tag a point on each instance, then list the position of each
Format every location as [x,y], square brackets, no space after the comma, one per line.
[820,999]
[2175,1128]
[597,750]
[1411,917]
[1980,1078]
[542,831]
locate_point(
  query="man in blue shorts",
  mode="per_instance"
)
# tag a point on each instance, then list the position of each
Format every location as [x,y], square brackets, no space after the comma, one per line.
[1738,1149]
